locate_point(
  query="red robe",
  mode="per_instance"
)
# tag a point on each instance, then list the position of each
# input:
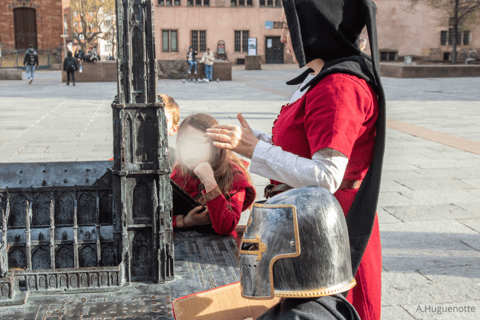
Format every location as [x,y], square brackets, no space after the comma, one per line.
[240,197]
[340,113]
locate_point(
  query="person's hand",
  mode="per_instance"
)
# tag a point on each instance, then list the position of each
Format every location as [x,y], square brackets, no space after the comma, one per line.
[197,218]
[204,172]
[239,139]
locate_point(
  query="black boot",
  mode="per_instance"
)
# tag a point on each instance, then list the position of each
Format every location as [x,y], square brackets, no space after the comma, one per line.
[68,83]
[74,83]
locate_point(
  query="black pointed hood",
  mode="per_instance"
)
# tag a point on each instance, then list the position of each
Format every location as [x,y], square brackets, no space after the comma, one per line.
[330,30]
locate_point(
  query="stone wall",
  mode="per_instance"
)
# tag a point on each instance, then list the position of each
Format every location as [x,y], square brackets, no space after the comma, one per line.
[178,69]
[103,71]
[400,70]
[10,74]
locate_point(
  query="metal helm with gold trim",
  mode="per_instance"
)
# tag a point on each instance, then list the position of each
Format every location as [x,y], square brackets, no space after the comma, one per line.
[296,245]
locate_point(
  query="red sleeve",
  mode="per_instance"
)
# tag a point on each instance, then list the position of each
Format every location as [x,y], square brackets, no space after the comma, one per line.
[335,110]
[174,221]
[223,219]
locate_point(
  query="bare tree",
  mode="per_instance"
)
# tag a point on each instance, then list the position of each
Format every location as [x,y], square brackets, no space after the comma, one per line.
[457,11]
[92,16]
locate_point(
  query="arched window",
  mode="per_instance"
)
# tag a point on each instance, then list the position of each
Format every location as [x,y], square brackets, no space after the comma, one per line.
[64,208]
[41,211]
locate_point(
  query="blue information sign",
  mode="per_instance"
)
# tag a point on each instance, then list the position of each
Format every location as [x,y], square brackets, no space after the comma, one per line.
[268,24]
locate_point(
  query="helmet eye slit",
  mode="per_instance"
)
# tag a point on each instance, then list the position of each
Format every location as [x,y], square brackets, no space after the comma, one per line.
[250,246]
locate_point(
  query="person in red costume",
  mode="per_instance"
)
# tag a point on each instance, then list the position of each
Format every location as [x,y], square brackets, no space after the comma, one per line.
[213,176]
[332,132]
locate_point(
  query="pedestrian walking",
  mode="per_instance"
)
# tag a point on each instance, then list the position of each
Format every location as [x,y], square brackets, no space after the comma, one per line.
[70,66]
[192,60]
[29,61]
[208,58]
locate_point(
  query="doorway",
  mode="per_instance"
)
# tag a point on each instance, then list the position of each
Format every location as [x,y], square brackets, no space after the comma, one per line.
[273,50]
[25,25]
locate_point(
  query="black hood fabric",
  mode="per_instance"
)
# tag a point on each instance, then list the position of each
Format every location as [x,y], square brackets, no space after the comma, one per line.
[330,29]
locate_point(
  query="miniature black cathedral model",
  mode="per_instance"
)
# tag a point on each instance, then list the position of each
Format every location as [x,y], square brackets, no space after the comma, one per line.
[91,226]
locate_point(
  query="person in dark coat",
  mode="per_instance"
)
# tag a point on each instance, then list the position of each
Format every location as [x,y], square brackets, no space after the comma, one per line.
[70,65]
[192,60]
[29,61]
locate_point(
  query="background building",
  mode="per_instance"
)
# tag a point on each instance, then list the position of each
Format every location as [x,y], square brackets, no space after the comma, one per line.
[31,21]
[420,31]
[224,26]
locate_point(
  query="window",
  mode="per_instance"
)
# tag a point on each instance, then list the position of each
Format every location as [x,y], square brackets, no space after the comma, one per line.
[169,3]
[388,55]
[169,41]
[203,41]
[107,23]
[262,3]
[245,41]
[108,48]
[241,3]
[241,40]
[269,3]
[450,36]
[278,3]
[199,40]
[197,3]
[443,37]
[75,13]
[75,24]
[466,38]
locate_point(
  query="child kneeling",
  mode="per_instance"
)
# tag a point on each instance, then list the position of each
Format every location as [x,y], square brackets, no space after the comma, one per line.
[213,176]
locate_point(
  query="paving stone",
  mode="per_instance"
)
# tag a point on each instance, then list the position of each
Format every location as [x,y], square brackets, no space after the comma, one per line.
[472,223]
[429,212]
[385,217]
[440,196]
[431,183]
[393,199]
[395,313]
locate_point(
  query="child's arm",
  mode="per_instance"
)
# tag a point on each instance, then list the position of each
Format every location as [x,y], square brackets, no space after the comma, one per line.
[224,219]
[224,213]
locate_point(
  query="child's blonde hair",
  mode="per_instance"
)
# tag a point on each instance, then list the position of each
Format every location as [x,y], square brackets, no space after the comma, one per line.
[171,107]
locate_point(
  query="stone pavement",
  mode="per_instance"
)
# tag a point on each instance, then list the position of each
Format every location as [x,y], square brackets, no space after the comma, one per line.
[429,203]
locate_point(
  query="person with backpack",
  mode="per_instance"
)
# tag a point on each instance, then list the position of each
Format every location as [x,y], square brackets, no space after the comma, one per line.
[70,66]
[29,61]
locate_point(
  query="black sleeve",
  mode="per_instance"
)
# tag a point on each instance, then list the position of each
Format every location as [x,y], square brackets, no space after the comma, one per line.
[25,58]
[76,65]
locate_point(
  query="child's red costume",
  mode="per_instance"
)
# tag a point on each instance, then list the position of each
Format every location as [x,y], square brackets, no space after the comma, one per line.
[240,197]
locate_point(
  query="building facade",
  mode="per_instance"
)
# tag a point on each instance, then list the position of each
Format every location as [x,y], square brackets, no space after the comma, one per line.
[420,31]
[36,22]
[224,26]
